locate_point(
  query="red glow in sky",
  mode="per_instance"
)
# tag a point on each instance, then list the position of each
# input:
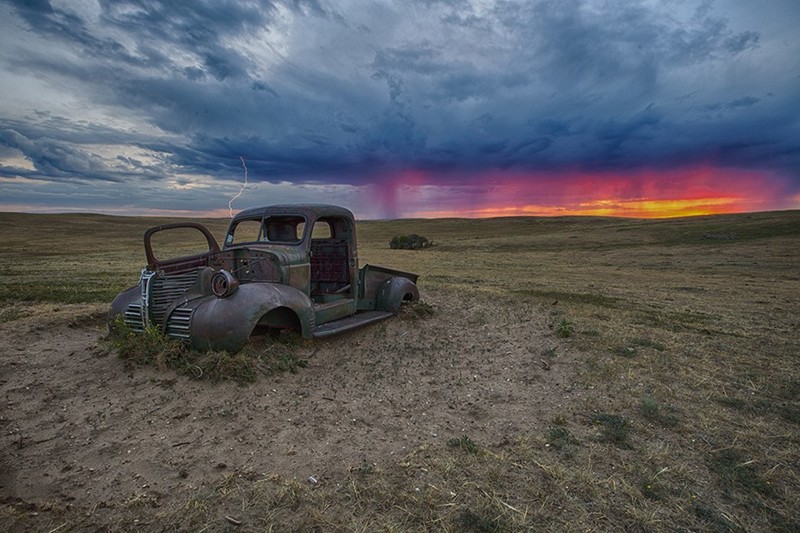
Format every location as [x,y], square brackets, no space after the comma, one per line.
[699,190]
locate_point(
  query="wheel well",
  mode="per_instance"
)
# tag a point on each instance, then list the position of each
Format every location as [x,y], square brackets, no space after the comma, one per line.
[278,318]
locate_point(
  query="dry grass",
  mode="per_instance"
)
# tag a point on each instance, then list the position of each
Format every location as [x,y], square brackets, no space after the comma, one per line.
[688,332]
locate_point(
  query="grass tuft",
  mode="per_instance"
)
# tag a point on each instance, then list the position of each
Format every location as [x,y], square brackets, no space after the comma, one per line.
[565,328]
[614,429]
[559,438]
[465,443]
[549,352]
[653,410]
[279,355]
[416,310]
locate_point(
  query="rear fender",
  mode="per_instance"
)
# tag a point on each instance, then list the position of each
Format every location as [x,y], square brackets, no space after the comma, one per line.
[393,292]
[227,323]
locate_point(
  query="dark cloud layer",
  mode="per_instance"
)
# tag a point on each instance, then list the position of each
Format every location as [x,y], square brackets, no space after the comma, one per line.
[312,92]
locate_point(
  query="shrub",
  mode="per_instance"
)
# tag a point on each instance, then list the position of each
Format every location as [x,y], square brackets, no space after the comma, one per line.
[409,242]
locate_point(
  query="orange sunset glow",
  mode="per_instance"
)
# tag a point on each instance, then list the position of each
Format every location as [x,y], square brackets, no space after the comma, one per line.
[611,208]
[701,190]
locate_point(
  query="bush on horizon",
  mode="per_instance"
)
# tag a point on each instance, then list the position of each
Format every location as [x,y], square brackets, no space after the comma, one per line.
[409,242]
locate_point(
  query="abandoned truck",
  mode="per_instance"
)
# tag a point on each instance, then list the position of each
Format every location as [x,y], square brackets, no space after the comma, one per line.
[281,267]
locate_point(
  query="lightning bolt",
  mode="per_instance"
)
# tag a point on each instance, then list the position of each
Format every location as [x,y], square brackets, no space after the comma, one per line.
[241,190]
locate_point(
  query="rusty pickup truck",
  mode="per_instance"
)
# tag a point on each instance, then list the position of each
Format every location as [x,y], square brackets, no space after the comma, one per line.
[280,267]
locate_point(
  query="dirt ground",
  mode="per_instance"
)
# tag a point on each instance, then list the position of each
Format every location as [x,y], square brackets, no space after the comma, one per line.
[82,429]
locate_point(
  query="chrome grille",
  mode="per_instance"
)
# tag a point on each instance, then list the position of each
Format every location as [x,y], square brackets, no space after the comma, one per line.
[179,323]
[165,289]
[133,317]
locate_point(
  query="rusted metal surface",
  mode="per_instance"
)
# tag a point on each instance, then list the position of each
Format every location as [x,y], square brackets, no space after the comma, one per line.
[284,266]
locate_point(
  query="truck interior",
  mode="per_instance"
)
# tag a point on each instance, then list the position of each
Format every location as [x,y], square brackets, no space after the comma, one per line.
[330,260]
[330,250]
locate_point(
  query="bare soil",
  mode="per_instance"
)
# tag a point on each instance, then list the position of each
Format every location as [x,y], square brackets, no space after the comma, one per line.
[82,429]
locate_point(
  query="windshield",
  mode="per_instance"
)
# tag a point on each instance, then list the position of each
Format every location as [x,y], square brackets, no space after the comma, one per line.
[277,229]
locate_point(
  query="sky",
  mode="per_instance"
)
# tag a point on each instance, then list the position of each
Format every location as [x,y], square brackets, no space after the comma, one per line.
[400,108]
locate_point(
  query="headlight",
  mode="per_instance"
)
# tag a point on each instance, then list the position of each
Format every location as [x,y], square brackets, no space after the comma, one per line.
[223,284]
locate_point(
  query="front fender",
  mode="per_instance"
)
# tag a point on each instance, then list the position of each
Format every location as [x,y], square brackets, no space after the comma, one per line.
[121,303]
[227,323]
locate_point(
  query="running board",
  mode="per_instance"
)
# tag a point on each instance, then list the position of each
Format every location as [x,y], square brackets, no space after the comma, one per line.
[349,322]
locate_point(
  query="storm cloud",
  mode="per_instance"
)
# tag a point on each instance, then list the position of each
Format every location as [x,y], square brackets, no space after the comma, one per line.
[144,100]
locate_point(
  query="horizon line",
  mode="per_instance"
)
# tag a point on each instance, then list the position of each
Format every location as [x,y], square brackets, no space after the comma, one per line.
[216,216]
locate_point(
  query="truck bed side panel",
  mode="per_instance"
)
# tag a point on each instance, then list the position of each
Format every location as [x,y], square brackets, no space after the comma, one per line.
[372,277]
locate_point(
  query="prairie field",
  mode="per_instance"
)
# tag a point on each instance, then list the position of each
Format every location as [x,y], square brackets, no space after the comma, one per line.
[560,374]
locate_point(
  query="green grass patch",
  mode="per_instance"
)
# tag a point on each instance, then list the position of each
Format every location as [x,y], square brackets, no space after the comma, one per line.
[561,439]
[78,292]
[614,429]
[465,443]
[152,348]
[565,329]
